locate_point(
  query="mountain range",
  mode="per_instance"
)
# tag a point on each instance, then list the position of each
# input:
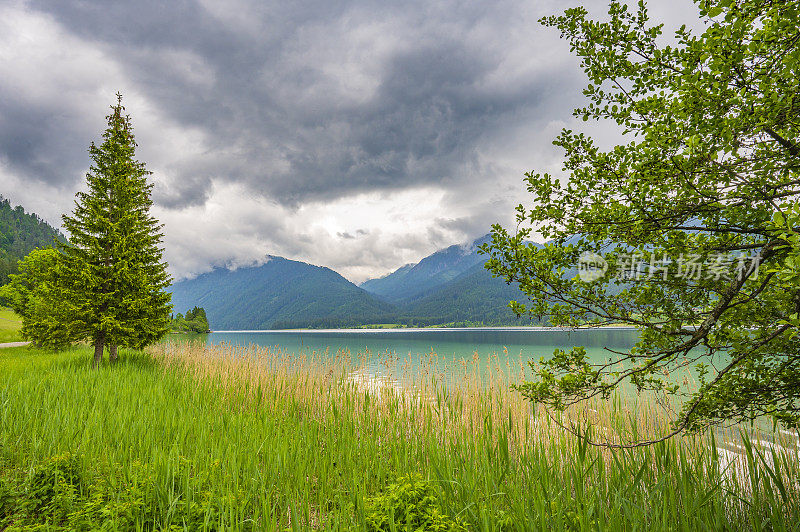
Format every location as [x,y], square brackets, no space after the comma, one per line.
[412,281]
[280,293]
[451,286]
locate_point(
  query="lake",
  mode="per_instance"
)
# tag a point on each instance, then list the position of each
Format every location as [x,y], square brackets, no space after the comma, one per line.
[516,342]
[392,349]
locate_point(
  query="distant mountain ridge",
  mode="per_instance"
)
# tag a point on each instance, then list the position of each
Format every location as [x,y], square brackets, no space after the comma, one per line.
[451,285]
[280,293]
[448,286]
[473,296]
[416,280]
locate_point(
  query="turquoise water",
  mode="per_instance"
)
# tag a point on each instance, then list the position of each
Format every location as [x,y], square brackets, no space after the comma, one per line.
[528,342]
[394,351]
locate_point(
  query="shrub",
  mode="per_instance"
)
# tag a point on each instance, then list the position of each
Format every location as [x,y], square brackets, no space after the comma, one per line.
[53,487]
[8,501]
[409,504]
[58,496]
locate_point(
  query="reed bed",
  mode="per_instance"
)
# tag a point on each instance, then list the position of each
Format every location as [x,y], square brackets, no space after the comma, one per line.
[254,438]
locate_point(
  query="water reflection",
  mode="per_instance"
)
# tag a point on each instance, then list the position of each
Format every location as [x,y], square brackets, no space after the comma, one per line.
[530,341]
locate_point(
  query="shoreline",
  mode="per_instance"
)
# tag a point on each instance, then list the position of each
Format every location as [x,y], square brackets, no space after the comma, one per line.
[434,329]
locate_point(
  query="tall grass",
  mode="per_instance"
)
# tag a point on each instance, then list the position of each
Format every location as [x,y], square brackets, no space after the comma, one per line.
[254,438]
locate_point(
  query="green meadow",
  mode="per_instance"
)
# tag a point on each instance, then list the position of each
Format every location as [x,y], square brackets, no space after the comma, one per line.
[10,325]
[188,437]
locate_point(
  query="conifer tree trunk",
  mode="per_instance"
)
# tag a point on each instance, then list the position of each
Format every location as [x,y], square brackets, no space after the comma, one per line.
[112,353]
[98,352]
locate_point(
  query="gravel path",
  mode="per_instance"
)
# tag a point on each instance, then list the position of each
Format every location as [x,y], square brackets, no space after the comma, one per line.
[13,344]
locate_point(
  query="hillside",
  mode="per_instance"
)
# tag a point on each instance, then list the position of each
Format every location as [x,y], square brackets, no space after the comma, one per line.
[385,287]
[473,296]
[281,293]
[20,233]
[448,286]
[415,280]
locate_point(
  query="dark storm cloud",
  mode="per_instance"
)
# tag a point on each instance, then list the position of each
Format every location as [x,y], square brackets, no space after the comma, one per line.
[422,123]
[32,140]
[355,134]
[275,116]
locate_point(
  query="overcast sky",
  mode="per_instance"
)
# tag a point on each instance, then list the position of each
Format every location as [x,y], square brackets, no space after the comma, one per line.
[357,135]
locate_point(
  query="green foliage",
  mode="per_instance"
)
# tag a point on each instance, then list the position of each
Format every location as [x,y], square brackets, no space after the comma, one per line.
[60,495]
[53,487]
[8,500]
[37,294]
[710,173]
[21,233]
[114,259]
[410,503]
[194,321]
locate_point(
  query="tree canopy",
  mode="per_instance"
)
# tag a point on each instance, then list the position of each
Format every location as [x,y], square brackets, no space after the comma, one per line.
[689,229]
[194,321]
[114,258]
[37,294]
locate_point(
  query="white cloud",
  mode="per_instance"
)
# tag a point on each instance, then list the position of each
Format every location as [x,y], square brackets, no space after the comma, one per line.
[359,236]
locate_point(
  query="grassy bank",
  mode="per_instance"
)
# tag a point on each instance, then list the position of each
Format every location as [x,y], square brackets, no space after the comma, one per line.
[10,325]
[190,438]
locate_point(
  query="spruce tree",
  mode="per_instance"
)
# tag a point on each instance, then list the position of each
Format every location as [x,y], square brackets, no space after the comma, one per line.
[115,271]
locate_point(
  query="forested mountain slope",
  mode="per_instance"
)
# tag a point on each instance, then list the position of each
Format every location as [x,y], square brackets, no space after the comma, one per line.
[279,293]
[414,280]
[20,233]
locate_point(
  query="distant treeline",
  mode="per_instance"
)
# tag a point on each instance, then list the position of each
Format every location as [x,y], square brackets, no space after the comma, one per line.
[404,321]
[194,320]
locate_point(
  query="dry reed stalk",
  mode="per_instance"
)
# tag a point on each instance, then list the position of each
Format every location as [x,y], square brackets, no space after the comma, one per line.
[430,397]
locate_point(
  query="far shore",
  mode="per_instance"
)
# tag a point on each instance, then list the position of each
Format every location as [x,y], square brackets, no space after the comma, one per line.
[437,329]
